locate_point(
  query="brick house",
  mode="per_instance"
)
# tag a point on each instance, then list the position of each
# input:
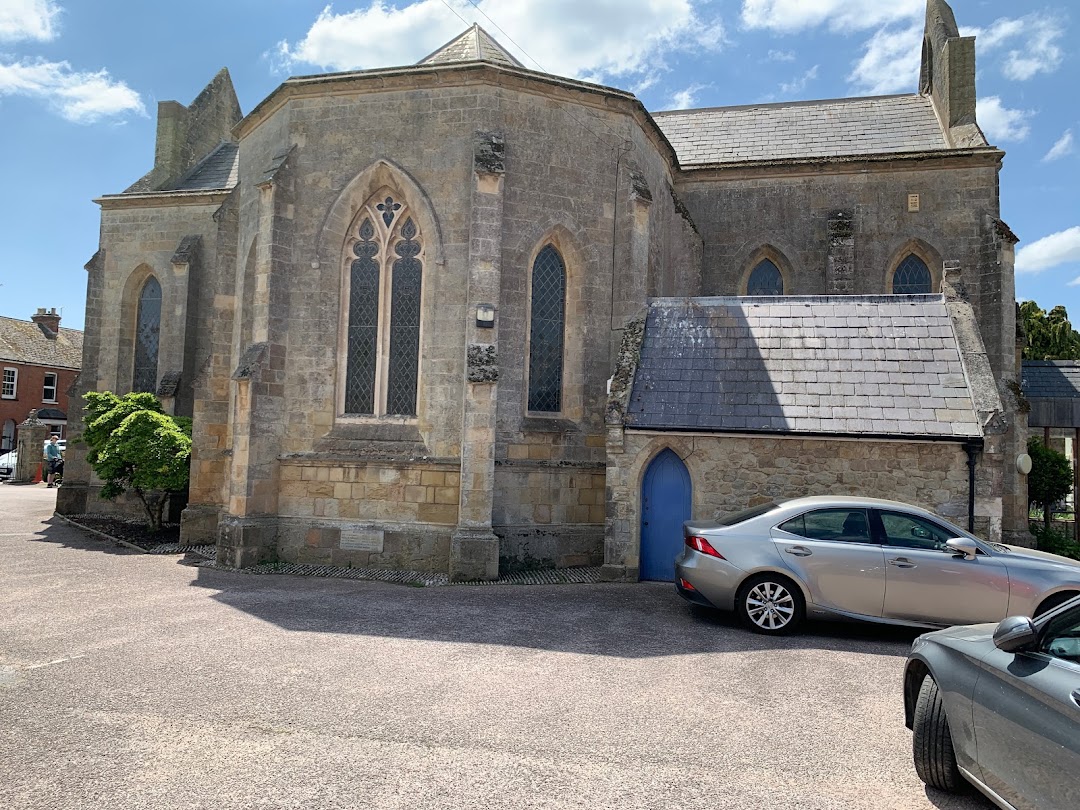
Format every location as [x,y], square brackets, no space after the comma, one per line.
[401,307]
[39,361]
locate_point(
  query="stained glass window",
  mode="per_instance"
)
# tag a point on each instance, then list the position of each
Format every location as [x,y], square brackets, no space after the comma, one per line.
[385,280]
[404,325]
[912,277]
[547,320]
[363,323]
[765,279]
[147,337]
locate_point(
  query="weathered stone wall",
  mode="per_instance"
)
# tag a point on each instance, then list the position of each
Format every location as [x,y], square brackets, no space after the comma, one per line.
[340,147]
[740,212]
[730,473]
[139,238]
[376,514]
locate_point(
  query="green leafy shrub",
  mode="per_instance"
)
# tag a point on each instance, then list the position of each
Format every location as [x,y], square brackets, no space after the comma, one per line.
[134,446]
[1055,541]
[1050,479]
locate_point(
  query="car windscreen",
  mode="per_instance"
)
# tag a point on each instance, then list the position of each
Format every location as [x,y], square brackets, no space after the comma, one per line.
[747,514]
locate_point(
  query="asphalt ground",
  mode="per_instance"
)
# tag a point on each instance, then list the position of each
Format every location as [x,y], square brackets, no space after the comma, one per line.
[137,681]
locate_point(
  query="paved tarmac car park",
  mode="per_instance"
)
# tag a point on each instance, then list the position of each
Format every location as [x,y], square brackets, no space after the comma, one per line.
[130,680]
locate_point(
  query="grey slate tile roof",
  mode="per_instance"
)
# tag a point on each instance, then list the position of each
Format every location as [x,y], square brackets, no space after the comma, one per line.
[1052,388]
[840,365]
[1049,379]
[473,45]
[24,342]
[218,170]
[805,129]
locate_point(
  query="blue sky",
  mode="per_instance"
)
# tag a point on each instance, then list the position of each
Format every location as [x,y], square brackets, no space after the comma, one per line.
[80,81]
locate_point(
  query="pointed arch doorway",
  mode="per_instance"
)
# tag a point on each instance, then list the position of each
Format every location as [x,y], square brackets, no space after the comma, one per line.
[665,503]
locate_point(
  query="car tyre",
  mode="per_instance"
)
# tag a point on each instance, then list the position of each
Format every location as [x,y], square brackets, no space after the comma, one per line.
[770,604]
[931,743]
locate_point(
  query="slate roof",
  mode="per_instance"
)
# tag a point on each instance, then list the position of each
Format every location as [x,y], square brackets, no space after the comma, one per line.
[1052,387]
[472,45]
[805,129]
[220,169]
[24,342]
[838,365]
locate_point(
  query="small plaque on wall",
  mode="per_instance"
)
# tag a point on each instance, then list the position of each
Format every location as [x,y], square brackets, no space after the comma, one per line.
[362,540]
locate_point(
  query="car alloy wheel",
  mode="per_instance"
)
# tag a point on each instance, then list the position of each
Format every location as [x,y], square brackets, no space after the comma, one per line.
[770,605]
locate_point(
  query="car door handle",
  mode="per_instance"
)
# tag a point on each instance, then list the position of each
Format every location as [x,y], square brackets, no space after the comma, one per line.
[799,551]
[1076,696]
[902,562]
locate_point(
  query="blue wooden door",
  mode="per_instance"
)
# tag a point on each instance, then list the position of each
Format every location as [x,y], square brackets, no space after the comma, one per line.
[665,504]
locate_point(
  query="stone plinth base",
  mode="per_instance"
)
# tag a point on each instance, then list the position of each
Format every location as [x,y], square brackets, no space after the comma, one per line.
[71,498]
[618,573]
[199,524]
[243,542]
[474,554]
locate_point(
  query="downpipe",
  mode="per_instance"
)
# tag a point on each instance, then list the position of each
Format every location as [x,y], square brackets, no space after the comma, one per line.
[972,448]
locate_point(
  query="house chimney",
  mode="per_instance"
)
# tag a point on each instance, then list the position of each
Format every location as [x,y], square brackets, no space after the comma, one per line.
[48,322]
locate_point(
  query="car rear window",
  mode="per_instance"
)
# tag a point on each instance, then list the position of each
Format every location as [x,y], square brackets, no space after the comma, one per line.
[747,514]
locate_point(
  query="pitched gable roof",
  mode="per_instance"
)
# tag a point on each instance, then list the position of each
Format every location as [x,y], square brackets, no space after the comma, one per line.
[806,129]
[218,170]
[473,45]
[838,365]
[24,342]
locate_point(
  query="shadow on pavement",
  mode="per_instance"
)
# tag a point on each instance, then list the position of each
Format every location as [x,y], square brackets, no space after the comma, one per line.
[622,620]
[55,530]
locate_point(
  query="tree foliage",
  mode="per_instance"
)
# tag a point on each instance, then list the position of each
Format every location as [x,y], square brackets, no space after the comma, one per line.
[1050,479]
[1050,336]
[134,446]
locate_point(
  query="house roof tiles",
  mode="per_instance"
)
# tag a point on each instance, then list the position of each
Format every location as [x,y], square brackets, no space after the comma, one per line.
[844,365]
[24,342]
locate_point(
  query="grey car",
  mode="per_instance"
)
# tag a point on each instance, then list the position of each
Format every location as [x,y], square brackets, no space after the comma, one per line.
[999,707]
[862,558]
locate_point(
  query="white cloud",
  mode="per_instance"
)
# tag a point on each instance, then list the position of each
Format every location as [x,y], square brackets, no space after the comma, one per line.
[890,62]
[789,16]
[608,37]
[999,123]
[685,99]
[799,84]
[28,19]
[781,56]
[1058,248]
[1061,148]
[1035,36]
[79,97]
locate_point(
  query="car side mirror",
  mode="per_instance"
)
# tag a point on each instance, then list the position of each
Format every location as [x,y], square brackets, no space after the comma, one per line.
[963,545]
[1016,634]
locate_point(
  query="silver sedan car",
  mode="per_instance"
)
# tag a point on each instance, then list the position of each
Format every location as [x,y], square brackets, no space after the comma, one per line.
[862,558]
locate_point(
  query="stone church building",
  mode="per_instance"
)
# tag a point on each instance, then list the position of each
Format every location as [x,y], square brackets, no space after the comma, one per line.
[464,314]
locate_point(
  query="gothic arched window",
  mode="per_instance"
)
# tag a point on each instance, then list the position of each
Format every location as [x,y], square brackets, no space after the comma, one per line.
[765,279]
[547,319]
[912,277]
[385,274]
[147,337]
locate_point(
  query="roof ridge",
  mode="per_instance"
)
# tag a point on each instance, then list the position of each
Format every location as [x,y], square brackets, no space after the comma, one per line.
[800,103]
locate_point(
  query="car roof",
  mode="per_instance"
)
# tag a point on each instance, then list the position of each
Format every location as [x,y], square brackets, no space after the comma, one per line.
[847,500]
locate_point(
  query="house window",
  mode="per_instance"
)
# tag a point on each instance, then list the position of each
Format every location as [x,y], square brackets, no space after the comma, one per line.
[48,393]
[7,438]
[912,277]
[10,385]
[547,320]
[147,335]
[765,279]
[385,281]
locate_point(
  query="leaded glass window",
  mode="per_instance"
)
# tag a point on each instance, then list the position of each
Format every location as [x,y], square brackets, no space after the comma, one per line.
[385,274]
[147,337]
[547,320]
[912,277]
[765,279]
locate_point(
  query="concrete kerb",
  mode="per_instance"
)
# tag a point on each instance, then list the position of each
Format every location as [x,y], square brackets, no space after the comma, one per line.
[548,576]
